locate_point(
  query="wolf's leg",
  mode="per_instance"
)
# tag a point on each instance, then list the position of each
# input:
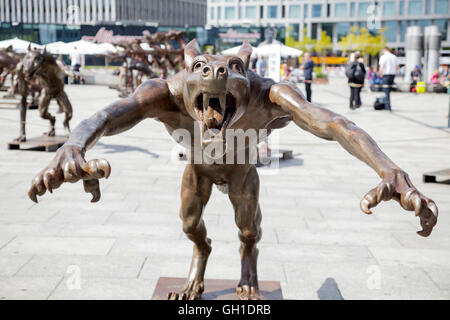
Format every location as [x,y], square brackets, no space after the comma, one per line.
[195,193]
[244,195]
[66,107]
[44,102]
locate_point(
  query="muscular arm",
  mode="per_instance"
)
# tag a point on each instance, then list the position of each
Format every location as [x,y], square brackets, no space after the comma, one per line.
[151,99]
[331,126]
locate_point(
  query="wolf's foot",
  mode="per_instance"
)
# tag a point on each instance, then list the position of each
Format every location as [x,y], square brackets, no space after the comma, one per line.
[22,138]
[51,133]
[193,291]
[247,292]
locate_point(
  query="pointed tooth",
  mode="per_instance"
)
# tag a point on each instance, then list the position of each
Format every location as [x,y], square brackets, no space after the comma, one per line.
[222,101]
[205,101]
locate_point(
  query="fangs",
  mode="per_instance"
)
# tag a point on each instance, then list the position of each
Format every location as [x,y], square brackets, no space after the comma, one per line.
[214,113]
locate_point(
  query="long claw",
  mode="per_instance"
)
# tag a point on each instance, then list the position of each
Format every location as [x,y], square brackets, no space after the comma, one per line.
[105,167]
[32,195]
[92,186]
[365,206]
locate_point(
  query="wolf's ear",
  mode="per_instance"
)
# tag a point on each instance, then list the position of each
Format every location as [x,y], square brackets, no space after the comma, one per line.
[45,50]
[191,50]
[245,52]
[29,47]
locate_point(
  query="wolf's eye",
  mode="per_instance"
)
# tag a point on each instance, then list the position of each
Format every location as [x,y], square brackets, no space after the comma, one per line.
[198,65]
[236,67]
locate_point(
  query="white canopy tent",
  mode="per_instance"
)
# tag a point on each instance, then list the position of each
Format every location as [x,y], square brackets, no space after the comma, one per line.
[83,47]
[265,50]
[285,51]
[19,45]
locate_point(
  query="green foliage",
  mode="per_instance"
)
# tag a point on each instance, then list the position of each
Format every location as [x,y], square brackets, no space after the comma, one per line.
[363,41]
[324,44]
[306,44]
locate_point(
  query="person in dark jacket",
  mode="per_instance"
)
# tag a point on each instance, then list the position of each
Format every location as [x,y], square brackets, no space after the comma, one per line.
[308,68]
[356,74]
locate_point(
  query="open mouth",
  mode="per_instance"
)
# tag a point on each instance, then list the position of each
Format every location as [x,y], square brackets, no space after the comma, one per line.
[215,113]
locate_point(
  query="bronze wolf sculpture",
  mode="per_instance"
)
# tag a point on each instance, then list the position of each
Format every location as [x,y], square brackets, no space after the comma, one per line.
[43,66]
[215,93]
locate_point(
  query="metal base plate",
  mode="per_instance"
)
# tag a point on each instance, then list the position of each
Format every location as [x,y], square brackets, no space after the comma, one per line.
[42,143]
[437,176]
[215,289]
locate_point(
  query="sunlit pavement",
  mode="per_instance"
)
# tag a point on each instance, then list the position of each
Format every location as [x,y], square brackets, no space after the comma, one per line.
[316,241]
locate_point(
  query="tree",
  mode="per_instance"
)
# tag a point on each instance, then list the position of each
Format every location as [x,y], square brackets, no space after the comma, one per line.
[363,41]
[322,45]
[306,44]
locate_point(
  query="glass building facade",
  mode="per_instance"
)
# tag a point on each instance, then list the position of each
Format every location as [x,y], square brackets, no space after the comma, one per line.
[335,17]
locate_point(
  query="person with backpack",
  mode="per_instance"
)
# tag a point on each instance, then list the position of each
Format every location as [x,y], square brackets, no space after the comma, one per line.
[356,74]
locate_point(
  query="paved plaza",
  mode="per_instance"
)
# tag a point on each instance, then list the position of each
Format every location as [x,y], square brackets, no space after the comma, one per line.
[316,242]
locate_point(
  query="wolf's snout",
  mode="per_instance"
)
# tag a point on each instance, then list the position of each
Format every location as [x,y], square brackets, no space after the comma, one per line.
[214,71]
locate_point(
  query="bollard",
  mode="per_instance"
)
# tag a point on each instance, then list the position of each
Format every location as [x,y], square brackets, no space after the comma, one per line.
[414,49]
[432,51]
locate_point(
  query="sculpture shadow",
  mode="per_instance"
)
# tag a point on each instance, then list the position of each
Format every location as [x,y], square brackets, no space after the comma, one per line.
[116,148]
[329,290]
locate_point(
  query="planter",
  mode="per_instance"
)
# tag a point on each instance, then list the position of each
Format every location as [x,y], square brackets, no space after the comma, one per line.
[320,81]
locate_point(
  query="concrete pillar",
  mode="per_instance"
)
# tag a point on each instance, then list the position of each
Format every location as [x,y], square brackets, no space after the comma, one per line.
[414,49]
[432,49]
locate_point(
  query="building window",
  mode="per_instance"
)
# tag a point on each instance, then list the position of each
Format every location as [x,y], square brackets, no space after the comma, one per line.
[443,25]
[250,12]
[230,13]
[389,8]
[402,30]
[342,29]
[391,31]
[424,23]
[219,13]
[414,7]
[401,7]
[316,10]
[294,11]
[305,11]
[362,9]
[328,28]
[211,13]
[314,31]
[427,6]
[272,12]
[352,9]
[294,31]
[441,7]
[340,10]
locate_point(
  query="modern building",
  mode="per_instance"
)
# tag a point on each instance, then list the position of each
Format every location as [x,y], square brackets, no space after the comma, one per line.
[54,20]
[132,12]
[336,17]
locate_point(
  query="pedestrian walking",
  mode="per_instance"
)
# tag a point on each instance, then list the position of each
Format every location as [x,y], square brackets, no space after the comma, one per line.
[356,74]
[261,67]
[388,68]
[308,68]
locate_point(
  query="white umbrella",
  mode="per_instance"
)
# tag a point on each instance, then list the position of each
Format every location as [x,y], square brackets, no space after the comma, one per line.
[19,45]
[58,47]
[285,51]
[83,47]
[233,51]
[108,48]
[265,50]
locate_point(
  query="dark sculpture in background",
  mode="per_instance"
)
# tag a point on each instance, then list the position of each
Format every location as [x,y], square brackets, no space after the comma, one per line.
[217,94]
[43,67]
[166,52]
